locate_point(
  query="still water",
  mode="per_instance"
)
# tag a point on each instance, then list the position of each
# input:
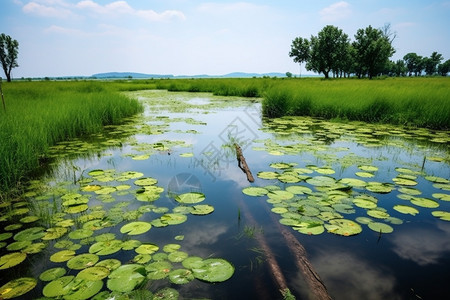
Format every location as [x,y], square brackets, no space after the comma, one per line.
[366,206]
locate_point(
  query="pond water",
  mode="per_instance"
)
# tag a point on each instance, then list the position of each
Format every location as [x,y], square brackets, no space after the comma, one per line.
[364,207]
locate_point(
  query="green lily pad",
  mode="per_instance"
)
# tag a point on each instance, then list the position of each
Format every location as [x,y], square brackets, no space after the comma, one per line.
[11,260]
[289,178]
[405,209]
[378,187]
[267,175]
[126,278]
[93,273]
[379,214]
[111,264]
[173,219]
[54,233]
[72,288]
[190,198]
[363,220]
[166,294]
[135,228]
[177,256]
[364,174]
[52,274]
[354,182]
[131,244]
[363,203]
[76,209]
[181,276]
[141,258]
[202,209]
[57,287]
[443,215]
[282,165]
[17,287]
[280,195]
[63,255]
[106,247]
[298,189]
[192,262]
[158,270]
[424,202]
[15,246]
[146,181]
[368,168]
[321,181]
[441,196]
[80,234]
[255,191]
[82,261]
[29,234]
[309,228]
[214,270]
[380,227]
[343,227]
[404,181]
[147,249]
[171,248]
[409,191]
[29,219]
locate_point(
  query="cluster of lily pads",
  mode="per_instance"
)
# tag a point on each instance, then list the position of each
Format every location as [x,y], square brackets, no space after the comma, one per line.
[312,201]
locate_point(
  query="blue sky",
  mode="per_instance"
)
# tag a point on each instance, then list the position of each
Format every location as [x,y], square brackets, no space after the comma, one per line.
[181,37]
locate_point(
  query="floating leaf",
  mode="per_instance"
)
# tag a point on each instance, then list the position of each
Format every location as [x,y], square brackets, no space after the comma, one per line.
[82,261]
[11,260]
[255,191]
[298,189]
[126,278]
[146,249]
[280,195]
[177,256]
[146,181]
[106,247]
[343,227]
[52,274]
[443,215]
[353,182]
[202,209]
[190,198]
[80,234]
[364,174]
[181,276]
[214,270]
[93,273]
[379,214]
[378,187]
[135,228]
[404,181]
[166,294]
[173,219]
[380,227]
[111,264]
[424,202]
[368,168]
[405,209]
[61,256]
[267,175]
[17,287]
[29,234]
[440,196]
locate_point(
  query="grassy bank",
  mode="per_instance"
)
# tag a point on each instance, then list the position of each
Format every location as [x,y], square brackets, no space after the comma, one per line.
[420,102]
[40,114]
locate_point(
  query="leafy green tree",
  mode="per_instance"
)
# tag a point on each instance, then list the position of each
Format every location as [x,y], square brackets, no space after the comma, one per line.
[9,50]
[414,63]
[373,50]
[327,50]
[300,50]
[444,68]
[288,74]
[400,68]
[431,63]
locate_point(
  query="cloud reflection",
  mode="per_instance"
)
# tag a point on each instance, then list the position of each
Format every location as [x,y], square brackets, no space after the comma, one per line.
[423,246]
[349,277]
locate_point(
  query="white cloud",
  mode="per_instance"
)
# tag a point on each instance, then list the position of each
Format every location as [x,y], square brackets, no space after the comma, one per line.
[335,12]
[123,8]
[43,10]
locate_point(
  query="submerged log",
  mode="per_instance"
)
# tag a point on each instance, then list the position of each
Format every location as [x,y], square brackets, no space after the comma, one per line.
[242,164]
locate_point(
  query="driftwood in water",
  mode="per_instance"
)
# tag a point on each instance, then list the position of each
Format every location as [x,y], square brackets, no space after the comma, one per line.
[242,164]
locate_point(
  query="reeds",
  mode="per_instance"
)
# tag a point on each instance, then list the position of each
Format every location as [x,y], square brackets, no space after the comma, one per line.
[40,114]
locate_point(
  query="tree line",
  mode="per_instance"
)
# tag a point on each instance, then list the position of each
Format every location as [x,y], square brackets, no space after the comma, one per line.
[332,52]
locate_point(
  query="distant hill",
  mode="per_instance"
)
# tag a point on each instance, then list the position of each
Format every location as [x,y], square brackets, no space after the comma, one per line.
[113,75]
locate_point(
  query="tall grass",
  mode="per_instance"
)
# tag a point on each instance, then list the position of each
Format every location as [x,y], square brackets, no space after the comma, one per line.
[421,102]
[40,114]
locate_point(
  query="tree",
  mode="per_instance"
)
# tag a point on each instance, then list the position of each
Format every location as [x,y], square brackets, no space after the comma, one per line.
[414,63]
[373,50]
[431,63]
[288,74]
[9,50]
[300,50]
[327,50]
[444,68]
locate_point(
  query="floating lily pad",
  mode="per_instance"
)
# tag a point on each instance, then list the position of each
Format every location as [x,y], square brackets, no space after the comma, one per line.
[214,270]
[363,203]
[298,189]
[76,209]
[91,188]
[404,181]
[202,209]
[280,195]
[135,228]
[405,209]
[146,249]
[255,191]
[58,287]
[15,246]
[158,270]
[379,214]
[111,264]
[63,255]
[177,256]
[72,288]
[378,187]
[29,219]
[424,202]
[190,198]
[146,181]
[30,234]
[368,168]
[443,215]
[409,191]
[166,294]
[364,174]
[93,273]
[141,258]
[309,228]
[52,274]
[267,175]
[17,287]
[126,278]
[11,260]
[441,196]
[354,182]
[192,262]
[82,261]
[321,181]
[131,244]
[80,234]
[106,247]
[343,227]
[380,227]
[181,276]
[173,219]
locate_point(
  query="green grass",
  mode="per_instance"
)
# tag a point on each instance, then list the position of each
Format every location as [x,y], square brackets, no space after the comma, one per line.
[40,114]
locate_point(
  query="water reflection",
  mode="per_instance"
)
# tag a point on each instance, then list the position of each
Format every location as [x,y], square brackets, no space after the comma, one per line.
[353,278]
[423,246]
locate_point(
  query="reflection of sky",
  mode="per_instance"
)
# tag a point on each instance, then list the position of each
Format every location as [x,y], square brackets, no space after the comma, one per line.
[423,246]
[354,278]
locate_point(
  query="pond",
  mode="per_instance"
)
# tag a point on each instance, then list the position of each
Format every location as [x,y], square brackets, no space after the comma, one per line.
[160,206]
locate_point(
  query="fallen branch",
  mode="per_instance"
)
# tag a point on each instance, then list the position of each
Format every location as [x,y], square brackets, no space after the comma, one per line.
[242,164]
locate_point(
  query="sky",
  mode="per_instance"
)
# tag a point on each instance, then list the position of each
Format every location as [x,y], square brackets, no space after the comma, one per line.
[181,37]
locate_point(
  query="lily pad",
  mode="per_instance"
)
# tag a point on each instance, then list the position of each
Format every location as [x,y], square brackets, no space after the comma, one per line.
[146,249]
[111,264]
[52,274]
[379,214]
[177,256]
[380,227]
[298,189]
[190,198]
[267,175]
[343,227]
[135,228]
[321,181]
[126,278]
[29,234]
[255,191]
[405,209]
[11,260]
[82,261]
[93,273]
[202,209]
[443,215]
[158,270]
[181,276]
[424,202]
[72,288]
[80,234]
[17,287]
[173,219]
[280,195]
[214,270]
[63,255]
[166,294]
[106,247]
[146,181]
